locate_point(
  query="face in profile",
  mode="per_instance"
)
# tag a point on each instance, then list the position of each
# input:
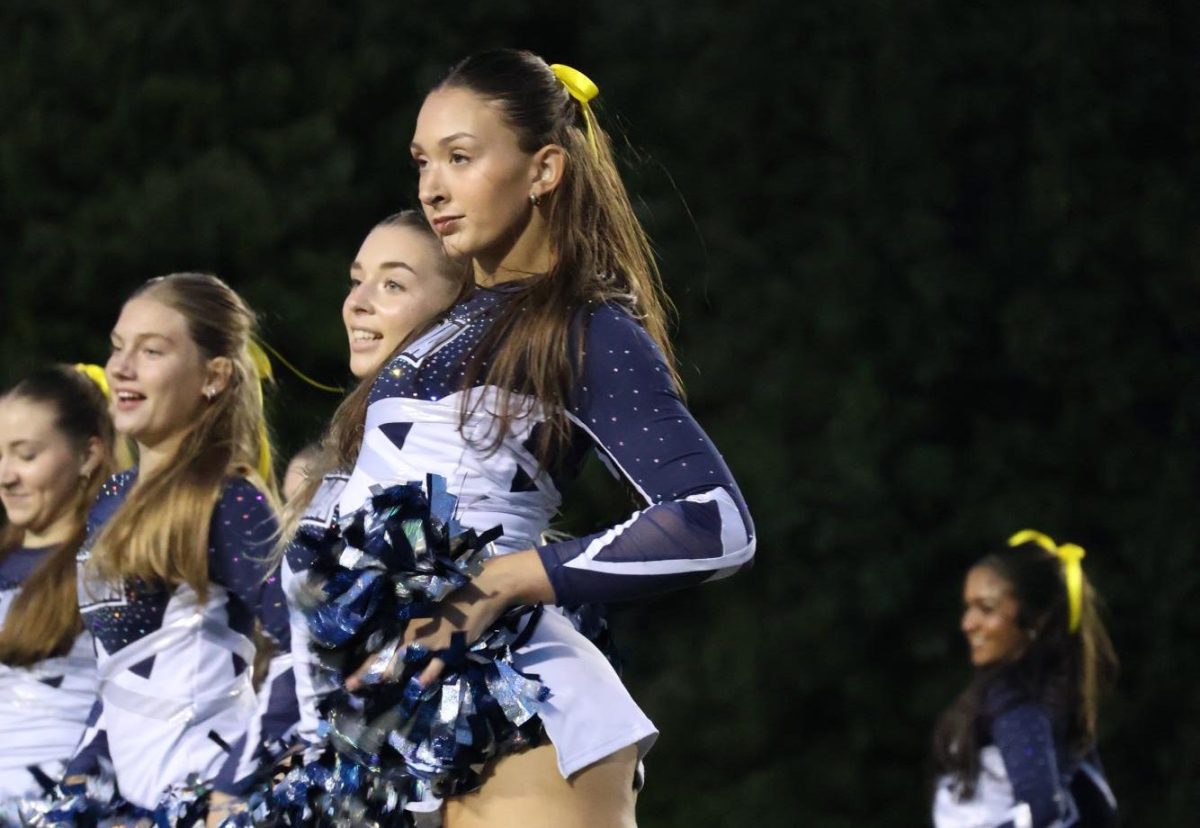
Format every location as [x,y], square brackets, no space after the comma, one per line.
[475,180]
[157,373]
[296,474]
[399,280]
[40,467]
[989,620]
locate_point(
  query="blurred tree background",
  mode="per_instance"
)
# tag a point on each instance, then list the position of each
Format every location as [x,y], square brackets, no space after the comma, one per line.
[936,270]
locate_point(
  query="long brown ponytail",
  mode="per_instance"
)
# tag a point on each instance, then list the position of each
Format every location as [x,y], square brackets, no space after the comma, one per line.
[600,251]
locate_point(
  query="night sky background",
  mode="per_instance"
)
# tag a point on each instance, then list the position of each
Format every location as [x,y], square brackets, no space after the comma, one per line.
[935,264]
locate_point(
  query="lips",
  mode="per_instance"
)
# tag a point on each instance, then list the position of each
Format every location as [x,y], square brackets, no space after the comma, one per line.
[445,225]
[126,399]
[364,340]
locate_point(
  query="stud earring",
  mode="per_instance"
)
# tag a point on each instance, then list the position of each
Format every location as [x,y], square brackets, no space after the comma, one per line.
[535,199]
[209,394]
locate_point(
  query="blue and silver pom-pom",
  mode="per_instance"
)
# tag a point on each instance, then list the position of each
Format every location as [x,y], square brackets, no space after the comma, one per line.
[373,572]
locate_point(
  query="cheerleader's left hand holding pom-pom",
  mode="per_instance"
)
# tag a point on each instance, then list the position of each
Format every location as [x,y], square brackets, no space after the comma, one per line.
[425,619]
[469,611]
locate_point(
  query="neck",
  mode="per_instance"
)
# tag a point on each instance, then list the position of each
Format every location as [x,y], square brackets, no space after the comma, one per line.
[155,458]
[55,534]
[528,255]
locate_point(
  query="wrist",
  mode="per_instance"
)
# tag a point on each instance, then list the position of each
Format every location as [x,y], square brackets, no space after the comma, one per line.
[517,578]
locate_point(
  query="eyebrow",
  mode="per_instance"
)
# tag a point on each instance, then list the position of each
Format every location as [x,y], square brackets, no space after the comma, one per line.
[387,266]
[448,139]
[143,336]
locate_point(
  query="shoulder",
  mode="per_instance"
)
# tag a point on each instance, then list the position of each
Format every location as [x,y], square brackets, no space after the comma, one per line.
[610,319]
[243,509]
[609,332]
[241,493]
[111,495]
[431,365]
[614,349]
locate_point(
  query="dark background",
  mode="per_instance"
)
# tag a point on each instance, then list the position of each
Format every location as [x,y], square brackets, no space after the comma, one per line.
[936,269]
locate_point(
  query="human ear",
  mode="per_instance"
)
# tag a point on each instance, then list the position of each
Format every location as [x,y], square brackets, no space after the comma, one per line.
[93,453]
[549,164]
[217,372]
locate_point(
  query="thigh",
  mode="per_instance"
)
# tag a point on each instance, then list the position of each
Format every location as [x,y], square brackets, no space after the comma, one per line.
[525,790]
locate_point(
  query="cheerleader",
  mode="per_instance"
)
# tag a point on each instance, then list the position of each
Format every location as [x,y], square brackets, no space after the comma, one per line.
[175,571]
[56,447]
[559,349]
[1018,748]
[399,280]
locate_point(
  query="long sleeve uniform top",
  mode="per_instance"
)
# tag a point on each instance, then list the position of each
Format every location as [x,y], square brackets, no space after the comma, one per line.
[694,525]
[43,707]
[176,696]
[1026,773]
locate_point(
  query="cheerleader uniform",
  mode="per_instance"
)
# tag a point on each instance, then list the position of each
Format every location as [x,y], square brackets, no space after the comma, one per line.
[43,707]
[695,526]
[176,697]
[1026,777]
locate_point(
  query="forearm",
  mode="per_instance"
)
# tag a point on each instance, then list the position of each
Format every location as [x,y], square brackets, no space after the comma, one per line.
[517,578]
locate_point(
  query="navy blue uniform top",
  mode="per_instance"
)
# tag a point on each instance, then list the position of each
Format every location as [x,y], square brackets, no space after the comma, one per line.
[160,642]
[694,525]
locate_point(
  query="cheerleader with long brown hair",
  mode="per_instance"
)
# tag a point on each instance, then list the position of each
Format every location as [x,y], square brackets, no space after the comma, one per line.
[559,349]
[176,570]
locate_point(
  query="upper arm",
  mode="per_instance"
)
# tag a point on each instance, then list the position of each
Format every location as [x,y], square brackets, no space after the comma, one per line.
[1025,737]
[625,399]
[242,539]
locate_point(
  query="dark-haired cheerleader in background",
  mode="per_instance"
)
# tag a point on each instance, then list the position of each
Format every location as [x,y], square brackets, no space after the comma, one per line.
[1018,748]
[56,447]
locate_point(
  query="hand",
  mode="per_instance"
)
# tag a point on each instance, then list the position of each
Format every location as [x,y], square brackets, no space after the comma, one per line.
[505,581]
[220,807]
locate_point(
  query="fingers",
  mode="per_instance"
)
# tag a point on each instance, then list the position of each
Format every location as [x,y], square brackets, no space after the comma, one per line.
[432,672]
[378,667]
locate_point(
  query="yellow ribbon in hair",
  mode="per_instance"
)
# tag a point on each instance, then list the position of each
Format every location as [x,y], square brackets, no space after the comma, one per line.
[1070,556]
[264,373]
[262,367]
[122,451]
[582,89]
[257,352]
[96,374]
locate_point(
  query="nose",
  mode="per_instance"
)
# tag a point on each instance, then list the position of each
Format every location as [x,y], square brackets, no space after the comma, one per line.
[431,189]
[358,300]
[8,475]
[968,621]
[119,365]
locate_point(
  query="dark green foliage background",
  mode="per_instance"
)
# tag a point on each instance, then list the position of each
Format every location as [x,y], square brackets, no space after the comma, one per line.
[935,265]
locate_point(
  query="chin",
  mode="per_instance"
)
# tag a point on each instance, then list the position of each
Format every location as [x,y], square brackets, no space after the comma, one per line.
[364,369]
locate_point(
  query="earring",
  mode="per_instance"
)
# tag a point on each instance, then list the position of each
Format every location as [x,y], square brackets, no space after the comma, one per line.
[209,394]
[535,199]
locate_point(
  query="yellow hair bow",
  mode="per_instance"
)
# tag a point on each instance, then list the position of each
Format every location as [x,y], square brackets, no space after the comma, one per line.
[582,89]
[1070,556]
[122,452]
[264,373]
[96,374]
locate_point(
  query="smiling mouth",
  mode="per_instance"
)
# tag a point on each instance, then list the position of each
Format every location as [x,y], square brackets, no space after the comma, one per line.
[126,400]
[363,341]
